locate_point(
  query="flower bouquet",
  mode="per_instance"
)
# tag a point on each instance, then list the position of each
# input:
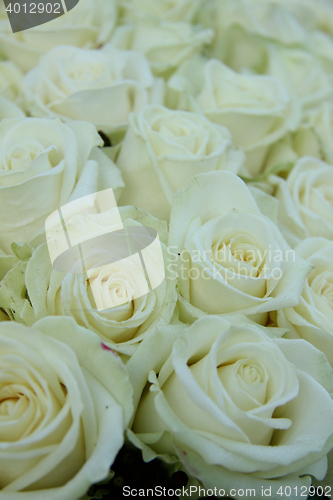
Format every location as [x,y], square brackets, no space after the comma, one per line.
[166,249]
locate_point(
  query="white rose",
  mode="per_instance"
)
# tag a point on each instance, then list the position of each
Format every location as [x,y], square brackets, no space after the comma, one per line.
[9,110]
[165,44]
[321,119]
[43,164]
[301,73]
[309,14]
[288,150]
[174,10]
[98,86]
[62,412]
[270,20]
[312,318]
[313,138]
[312,14]
[240,50]
[164,149]
[231,257]
[10,81]
[11,93]
[321,13]
[32,289]
[306,200]
[321,45]
[240,407]
[245,28]
[257,109]
[88,25]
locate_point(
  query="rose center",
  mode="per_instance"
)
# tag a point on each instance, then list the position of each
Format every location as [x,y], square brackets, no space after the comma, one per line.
[174,130]
[246,382]
[322,285]
[7,406]
[121,291]
[182,132]
[19,156]
[327,191]
[251,374]
[239,254]
[86,72]
[112,291]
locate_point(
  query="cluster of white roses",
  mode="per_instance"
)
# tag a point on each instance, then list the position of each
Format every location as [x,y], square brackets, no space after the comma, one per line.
[212,122]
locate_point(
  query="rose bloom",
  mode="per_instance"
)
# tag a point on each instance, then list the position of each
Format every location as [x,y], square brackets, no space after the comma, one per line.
[10,81]
[313,14]
[306,141]
[229,257]
[321,121]
[9,110]
[62,413]
[257,109]
[98,86]
[301,73]
[88,25]
[244,30]
[11,95]
[163,150]
[321,45]
[238,406]
[306,200]
[174,10]
[165,44]
[314,137]
[32,289]
[44,164]
[312,318]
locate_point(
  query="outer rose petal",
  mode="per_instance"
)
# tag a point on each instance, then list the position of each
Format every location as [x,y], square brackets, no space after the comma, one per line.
[208,197]
[100,409]
[294,452]
[64,164]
